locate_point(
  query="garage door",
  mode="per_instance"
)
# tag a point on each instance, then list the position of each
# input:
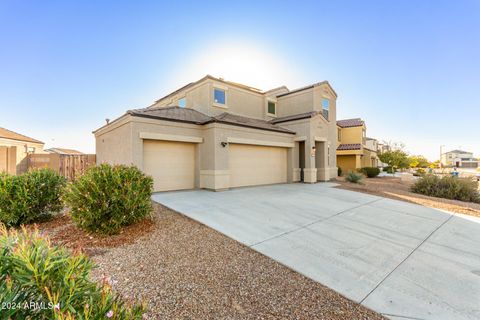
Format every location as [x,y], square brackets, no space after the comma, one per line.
[171,164]
[255,165]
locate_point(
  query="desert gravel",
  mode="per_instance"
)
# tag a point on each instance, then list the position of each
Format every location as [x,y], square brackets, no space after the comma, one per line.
[185,270]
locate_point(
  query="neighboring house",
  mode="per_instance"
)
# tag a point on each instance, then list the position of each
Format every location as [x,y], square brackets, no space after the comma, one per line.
[217,134]
[382,147]
[354,149]
[459,159]
[14,149]
[63,151]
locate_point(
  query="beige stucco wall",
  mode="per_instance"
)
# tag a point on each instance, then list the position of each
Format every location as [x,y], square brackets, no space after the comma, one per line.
[121,141]
[21,153]
[349,163]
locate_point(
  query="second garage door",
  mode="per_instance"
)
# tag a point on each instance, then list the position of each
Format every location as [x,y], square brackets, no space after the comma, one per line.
[171,164]
[256,165]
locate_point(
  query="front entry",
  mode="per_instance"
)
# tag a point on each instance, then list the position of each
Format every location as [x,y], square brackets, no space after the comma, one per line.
[301,159]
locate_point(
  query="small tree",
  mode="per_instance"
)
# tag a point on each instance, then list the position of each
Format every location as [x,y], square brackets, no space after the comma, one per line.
[418,162]
[395,158]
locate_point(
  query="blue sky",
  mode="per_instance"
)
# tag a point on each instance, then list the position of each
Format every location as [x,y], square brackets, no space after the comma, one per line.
[411,69]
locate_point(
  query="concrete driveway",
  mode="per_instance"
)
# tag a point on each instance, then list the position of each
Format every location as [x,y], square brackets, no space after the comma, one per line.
[402,260]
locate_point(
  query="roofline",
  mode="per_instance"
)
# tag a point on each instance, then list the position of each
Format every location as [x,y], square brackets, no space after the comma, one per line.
[249,126]
[309,87]
[304,116]
[209,77]
[28,139]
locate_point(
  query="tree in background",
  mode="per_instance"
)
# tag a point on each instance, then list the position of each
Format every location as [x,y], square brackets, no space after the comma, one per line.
[397,159]
[395,156]
[418,162]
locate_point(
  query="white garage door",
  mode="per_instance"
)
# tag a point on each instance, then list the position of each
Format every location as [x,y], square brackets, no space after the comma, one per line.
[255,165]
[171,164]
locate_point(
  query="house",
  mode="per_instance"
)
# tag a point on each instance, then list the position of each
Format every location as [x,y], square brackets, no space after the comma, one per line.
[63,151]
[216,134]
[459,159]
[14,151]
[354,149]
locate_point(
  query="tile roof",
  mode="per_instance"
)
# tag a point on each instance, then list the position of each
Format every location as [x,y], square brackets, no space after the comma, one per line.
[196,117]
[172,114]
[8,134]
[457,151]
[347,123]
[350,146]
[295,117]
[63,151]
[249,122]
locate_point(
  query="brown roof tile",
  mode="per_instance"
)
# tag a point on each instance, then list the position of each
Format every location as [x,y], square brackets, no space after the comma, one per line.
[172,114]
[249,122]
[63,151]
[294,117]
[350,146]
[347,123]
[196,117]
[8,134]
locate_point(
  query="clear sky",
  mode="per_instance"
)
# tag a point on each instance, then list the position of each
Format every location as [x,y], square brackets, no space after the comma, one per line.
[411,69]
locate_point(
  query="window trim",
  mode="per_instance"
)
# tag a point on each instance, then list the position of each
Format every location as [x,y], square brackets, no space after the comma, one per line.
[275,103]
[182,98]
[217,104]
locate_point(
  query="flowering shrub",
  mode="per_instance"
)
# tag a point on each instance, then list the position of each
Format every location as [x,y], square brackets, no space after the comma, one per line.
[41,281]
[30,197]
[107,198]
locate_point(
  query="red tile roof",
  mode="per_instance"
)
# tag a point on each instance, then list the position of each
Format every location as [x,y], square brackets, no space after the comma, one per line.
[350,146]
[347,123]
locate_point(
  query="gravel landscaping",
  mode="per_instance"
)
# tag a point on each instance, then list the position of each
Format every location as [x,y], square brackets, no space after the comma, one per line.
[394,188]
[184,269]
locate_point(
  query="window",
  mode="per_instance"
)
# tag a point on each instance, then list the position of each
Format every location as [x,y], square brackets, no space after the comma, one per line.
[325,107]
[182,103]
[339,134]
[272,108]
[219,96]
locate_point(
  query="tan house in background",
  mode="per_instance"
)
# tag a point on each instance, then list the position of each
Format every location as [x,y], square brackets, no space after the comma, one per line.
[217,134]
[459,159]
[14,149]
[354,149]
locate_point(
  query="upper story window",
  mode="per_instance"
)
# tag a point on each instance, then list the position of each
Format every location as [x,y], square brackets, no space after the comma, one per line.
[272,108]
[182,103]
[219,96]
[325,107]
[339,134]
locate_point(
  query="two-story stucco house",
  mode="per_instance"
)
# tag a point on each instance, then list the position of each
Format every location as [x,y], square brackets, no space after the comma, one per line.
[459,159]
[216,134]
[354,149]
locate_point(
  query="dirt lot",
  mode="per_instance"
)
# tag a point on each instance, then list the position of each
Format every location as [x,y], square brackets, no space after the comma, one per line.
[394,188]
[185,270]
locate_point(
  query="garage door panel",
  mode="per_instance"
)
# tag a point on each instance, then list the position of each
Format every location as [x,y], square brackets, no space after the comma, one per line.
[171,164]
[256,165]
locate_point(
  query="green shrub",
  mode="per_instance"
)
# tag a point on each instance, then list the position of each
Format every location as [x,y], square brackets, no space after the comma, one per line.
[370,172]
[389,169]
[30,197]
[448,187]
[56,281]
[106,198]
[419,172]
[354,177]
[340,172]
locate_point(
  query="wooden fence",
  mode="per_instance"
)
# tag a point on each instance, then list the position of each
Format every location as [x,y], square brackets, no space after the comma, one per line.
[68,166]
